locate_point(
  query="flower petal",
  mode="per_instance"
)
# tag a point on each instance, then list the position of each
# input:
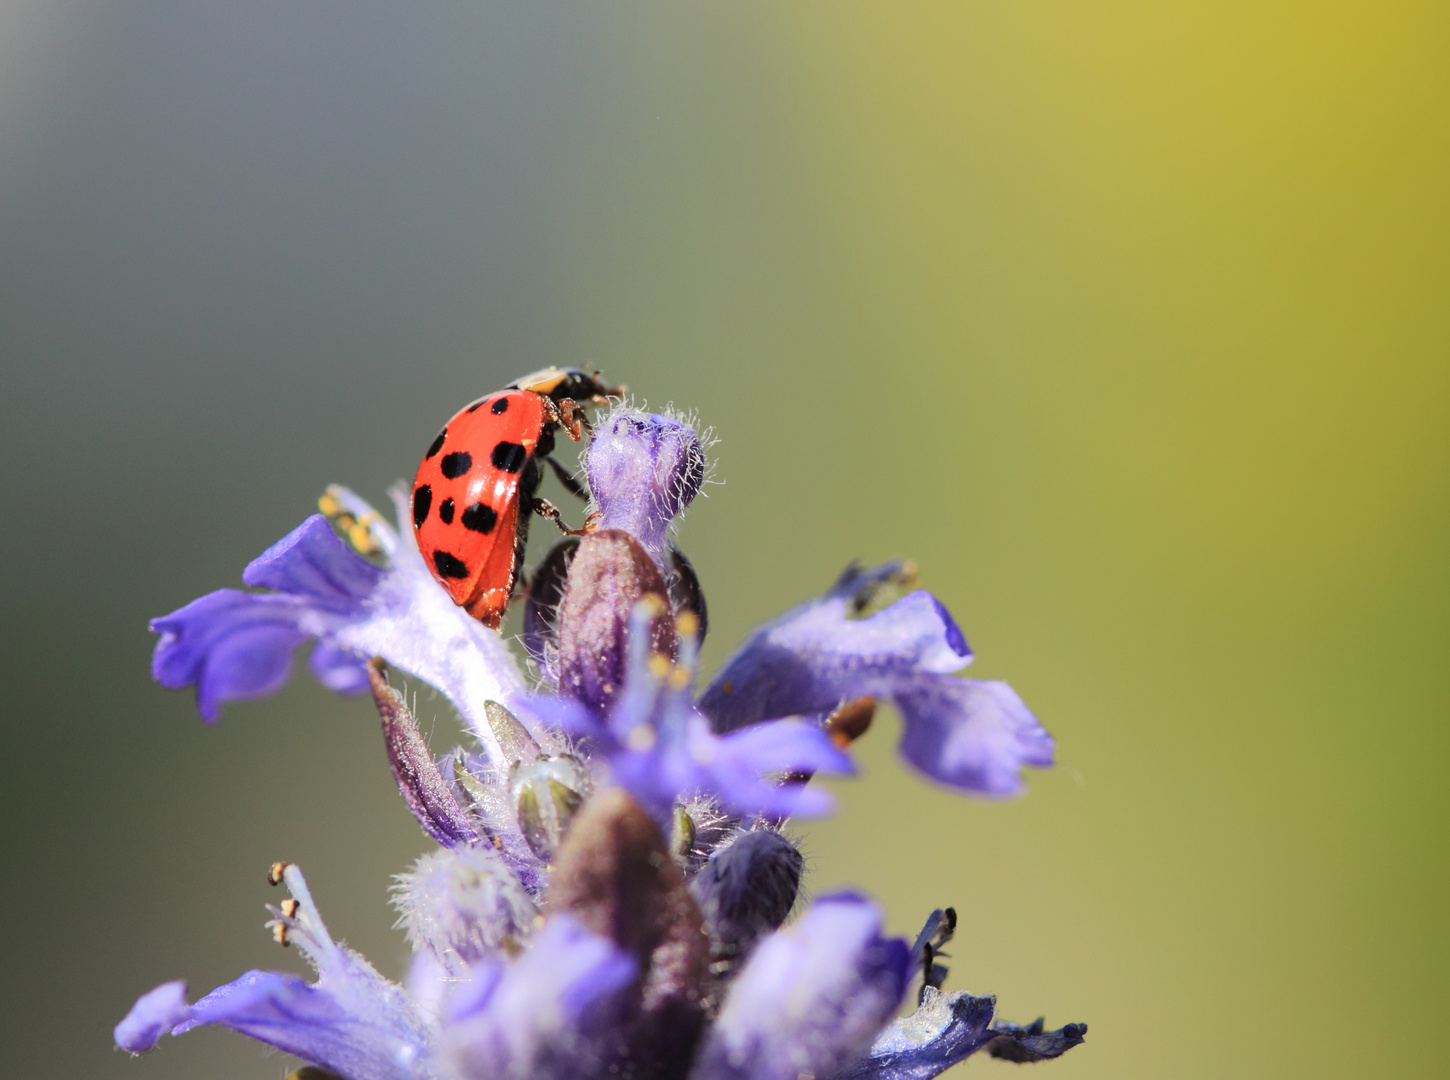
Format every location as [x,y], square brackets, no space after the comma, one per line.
[413,624]
[340,670]
[233,644]
[786,746]
[351,1021]
[355,1024]
[313,562]
[815,656]
[731,767]
[811,999]
[550,1014]
[155,1013]
[971,734]
[660,749]
[974,736]
[944,1030]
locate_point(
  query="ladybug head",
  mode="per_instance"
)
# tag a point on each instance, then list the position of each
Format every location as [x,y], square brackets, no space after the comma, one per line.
[575,384]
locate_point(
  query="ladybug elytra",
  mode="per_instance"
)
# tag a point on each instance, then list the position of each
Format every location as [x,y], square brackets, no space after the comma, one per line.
[474,496]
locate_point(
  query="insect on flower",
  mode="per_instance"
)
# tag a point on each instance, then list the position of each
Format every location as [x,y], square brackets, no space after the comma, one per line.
[607,892]
[474,496]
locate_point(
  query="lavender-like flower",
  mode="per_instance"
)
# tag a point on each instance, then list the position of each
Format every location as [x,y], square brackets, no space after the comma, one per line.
[611,888]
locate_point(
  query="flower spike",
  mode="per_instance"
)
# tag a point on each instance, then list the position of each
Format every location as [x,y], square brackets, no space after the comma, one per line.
[610,892]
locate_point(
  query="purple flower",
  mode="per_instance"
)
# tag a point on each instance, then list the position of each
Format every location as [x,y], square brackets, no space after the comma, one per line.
[611,888]
[812,998]
[547,1014]
[969,734]
[155,1013]
[233,645]
[352,1020]
[661,749]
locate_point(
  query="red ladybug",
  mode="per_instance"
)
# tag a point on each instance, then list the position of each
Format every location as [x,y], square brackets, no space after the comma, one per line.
[473,496]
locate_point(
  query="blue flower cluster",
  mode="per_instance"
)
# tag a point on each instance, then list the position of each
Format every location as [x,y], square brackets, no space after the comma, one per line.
[611,889]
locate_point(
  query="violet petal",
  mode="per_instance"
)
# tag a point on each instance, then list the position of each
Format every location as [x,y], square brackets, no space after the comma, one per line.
[355,1024]
[973,736]
[813,657]
[312,561]
[340,670]
[351,1021]
[552,1014]
[233,644]
[812,998]
[944,1030]
[970,734]
[155,1013]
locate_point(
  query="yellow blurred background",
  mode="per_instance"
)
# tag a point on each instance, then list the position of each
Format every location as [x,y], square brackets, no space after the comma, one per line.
[1128,322]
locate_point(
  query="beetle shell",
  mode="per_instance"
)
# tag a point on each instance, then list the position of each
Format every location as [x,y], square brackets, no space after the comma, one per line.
[473,498]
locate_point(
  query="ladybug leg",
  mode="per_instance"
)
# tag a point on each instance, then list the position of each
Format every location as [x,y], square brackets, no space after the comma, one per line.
[544,508]
[573,419]
[572,486]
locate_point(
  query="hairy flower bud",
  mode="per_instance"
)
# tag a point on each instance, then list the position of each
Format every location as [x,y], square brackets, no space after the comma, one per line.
[746,890]
[463,904]
[643,470]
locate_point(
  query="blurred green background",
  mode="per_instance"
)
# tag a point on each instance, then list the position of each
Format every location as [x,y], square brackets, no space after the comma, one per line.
[1127,321]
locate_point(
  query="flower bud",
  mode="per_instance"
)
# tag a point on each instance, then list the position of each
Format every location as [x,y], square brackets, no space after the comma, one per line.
[610,574]
[547,793]
[746,890]
[463,904]
[643,470]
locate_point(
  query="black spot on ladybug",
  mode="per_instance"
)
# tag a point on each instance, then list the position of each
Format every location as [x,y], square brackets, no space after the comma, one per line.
[437,444]
[445,511]
[456,464]
[499,407]
[422,499]
[509,456]
[476,405]
[449,566]
[480,518]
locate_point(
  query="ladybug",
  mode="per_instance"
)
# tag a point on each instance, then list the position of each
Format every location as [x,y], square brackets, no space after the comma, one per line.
[473,496]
